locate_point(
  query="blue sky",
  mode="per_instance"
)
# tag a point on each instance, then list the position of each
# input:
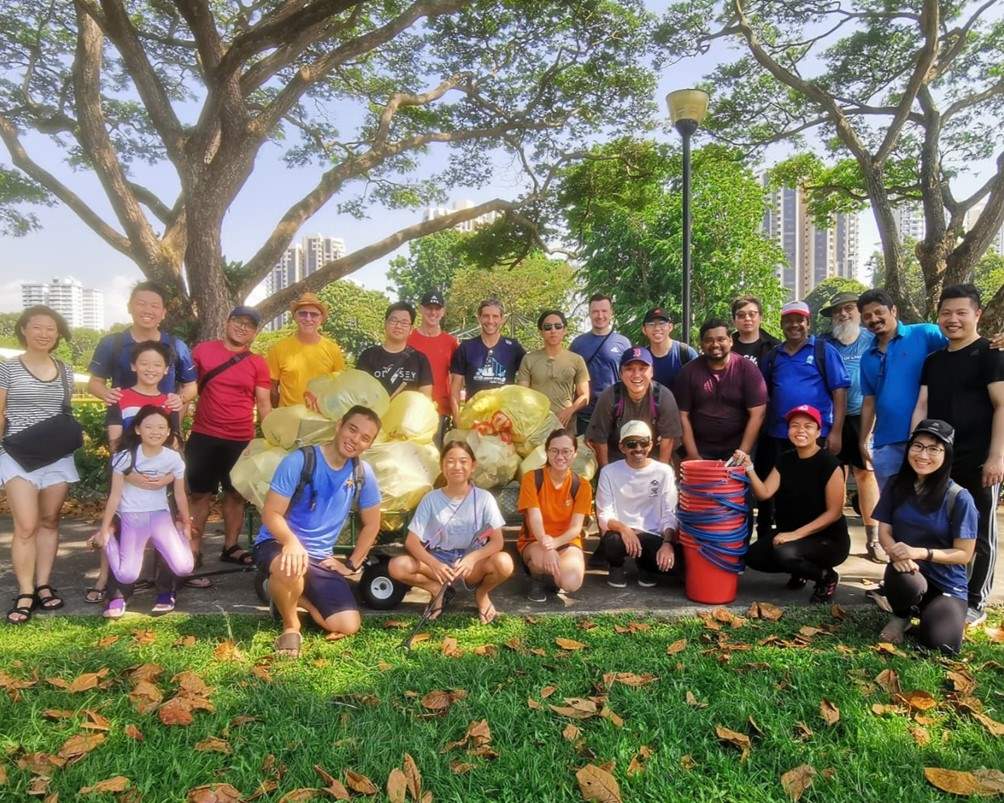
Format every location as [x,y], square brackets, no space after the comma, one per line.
[65,246]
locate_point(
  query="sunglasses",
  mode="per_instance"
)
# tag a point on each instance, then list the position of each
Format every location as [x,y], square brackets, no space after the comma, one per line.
[305,313]
[637,444]
[547,327]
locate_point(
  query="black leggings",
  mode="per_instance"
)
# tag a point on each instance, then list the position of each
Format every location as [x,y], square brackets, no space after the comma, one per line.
[942,618]
[811,557]
[613,549]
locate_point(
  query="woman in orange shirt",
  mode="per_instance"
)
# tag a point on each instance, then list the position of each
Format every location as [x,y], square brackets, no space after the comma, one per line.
[554,503]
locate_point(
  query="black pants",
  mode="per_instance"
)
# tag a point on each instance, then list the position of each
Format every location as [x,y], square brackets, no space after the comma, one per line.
[613,549]
[981,568]
[942,618]
[811,557]
[768,449]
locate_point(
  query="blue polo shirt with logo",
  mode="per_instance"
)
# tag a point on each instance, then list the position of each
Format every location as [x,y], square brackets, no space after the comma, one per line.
[893,378]
[795,379]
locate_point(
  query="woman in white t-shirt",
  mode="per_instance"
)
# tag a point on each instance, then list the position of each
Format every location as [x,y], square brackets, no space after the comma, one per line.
[455,534]
[144,515]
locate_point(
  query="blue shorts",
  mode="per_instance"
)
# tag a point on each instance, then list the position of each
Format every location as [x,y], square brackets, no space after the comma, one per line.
[447,556]
[887,461]
[325,589]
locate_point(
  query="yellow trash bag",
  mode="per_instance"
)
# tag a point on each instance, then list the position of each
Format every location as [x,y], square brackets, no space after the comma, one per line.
[252,473]
[336,393]
[412,416]
[510,410]
[538,435]
[584,464]
[295,426]
[403,474]
[497,461]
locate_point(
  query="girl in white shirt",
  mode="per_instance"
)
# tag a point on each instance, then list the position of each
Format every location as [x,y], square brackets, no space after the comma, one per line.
[145,515]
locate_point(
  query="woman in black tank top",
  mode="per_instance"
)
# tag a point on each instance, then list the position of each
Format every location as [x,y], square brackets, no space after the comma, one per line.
[807,485]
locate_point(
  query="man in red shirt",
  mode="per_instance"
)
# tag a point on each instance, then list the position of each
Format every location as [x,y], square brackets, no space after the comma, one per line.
[232,383]
[438,347]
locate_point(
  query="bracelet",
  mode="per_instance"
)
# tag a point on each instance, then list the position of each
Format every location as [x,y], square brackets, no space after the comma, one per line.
[350,564]
[930,555]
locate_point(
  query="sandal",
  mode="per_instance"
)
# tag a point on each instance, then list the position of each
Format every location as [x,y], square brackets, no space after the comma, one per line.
[95,595]
[53,602]
[195,581]
[288,645]
[487,615]
[237,554]
[21,610]
[115,609]
[164,603]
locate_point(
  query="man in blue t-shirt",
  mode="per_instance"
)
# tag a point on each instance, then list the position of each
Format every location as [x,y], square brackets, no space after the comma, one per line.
[486,361]
[890,381]
[601,348]
[301,523]
[851,341]
[668,355]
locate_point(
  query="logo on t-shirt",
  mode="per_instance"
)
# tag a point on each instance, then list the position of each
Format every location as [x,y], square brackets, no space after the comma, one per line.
[491,372]
[654,487]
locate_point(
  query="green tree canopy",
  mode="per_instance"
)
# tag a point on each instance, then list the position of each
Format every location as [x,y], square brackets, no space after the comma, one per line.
[821,295]
[355,318]
[623,207]
[431,264]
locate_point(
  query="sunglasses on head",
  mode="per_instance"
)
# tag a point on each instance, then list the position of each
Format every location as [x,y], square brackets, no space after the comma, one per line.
[642,443]
[547,327]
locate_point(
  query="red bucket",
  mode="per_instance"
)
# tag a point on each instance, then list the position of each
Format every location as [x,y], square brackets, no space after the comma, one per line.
[704,581]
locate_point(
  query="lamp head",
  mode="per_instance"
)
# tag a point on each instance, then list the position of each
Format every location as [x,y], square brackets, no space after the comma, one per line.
[688,107]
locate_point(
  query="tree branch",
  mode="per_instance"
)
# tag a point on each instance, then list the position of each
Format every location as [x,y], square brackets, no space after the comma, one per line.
[976,241]
[971,100]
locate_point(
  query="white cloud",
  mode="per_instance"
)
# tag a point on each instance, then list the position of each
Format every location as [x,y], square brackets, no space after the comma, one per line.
[116,291]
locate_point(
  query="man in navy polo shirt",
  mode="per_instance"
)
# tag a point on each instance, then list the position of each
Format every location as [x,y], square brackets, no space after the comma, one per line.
[486,361]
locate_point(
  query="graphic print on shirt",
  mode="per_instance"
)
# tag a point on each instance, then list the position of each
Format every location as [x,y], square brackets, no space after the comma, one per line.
[654,488]
[491,372]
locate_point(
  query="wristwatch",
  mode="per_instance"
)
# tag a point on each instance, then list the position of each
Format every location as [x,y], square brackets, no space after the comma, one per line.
[930,555]
[351,565]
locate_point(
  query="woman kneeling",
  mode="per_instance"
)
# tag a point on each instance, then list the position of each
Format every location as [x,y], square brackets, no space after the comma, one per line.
[554,502]
[455,534]
[927,525]
[807,485]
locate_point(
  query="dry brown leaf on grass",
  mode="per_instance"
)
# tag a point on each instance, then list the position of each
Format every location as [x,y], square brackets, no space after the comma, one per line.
[40,763]
[881,710]
[214,745]
[803,732]
[486,650]
[186,641]
[889,680]
[571,733]
[533,704]
[95,721]
[587,624]
[547,691]
[738,740]
[13,684]
[796,781]
[335,788]
[107,641]
[413,777]
[765,610]
[637,764]
[608,714]
[85,682]
[576,708]
[632,628]
[460,767]
[148,672]
[227,651]
[598,784]
[962,681]
[118,783]
[439,700]
[677,646]
[692,700]
[887,648]
[397,786]
[40,786]
[918,700]
[981,782]
[360,784]
[214,793]
[76,747]
[58,713]
[144,637]
[192,683]
[3,775]
[176,711]
[261,672]
[920,735]
[628,679]
[145,697]
[829,712]
[133,732]
[570,644]
[995,728]
[837,612]
[395,624]
[450,649]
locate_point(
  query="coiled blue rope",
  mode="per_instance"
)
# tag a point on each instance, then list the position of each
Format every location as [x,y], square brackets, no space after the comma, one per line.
[713,545]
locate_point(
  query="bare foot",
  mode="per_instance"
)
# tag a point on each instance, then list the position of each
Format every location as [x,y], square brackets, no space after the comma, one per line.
[894,630]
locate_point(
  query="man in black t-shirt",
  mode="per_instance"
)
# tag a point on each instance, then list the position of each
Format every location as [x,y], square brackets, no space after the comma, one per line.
[963,384]
[749,340]
[397,365]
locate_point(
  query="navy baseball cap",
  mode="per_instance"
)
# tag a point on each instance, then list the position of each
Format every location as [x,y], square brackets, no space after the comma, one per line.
[432,299]
[936,428]
[244,311]
[656,314]
[636,354]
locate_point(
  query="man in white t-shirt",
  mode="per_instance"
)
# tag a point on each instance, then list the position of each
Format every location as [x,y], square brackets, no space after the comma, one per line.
[636,510]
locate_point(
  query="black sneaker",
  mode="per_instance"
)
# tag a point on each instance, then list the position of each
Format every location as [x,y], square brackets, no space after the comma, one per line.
[825,588]
[616,577]
[537,591]
[647,579]
[795,583]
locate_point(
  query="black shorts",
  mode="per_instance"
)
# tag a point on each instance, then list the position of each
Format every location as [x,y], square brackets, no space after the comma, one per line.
[208,461]
[325,589]
[850,449]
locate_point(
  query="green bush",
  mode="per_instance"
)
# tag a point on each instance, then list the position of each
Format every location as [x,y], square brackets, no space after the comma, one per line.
[92,457]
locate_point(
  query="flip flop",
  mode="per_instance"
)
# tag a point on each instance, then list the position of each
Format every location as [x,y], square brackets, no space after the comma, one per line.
[197,582]
[487,615]
[288,645]
[237,554]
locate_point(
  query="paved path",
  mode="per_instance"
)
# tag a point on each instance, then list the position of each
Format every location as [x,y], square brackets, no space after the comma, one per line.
[233,592]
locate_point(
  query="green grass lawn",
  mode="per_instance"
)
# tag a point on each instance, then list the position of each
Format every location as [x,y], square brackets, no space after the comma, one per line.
[357,704]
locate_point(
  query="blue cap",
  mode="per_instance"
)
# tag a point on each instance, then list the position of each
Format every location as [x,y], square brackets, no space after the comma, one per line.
[636,354]
[244,311]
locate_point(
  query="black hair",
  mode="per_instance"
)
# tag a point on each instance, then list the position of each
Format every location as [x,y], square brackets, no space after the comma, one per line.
[934,487]
[400,306]
[600,297]
[457,444]
[365,412]
[131,440]
[742,301]
[62,327]
[876,296]
[962,291]
[547,312]
[162,349]
[713,323]
[560,433]
[149,287]
[491,302]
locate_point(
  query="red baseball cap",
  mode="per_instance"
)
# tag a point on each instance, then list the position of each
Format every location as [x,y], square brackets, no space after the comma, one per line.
[806,410]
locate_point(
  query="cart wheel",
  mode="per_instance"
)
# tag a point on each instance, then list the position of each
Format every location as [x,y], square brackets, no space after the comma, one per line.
[378,589]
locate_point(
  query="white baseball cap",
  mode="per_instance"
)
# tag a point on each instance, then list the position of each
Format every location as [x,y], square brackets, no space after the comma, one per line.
[635,429]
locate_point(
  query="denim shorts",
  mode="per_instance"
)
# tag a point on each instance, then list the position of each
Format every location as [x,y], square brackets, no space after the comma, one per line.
[447,556]
[325,589]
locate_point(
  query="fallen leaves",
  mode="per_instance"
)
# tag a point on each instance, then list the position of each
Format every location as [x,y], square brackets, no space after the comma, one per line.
[227,651]
[214,745]
[81,683]
[360,784]
[627,679]
[598,784]
[477,740]
[693,702]
[637,765]
[118,783]
[917,700]
[440,701]
[570,644]
[76,747]
[982,782]
[738,740]
[632,628]
[215,793]
[677,646]
[765,610]
[829,712]
[133,732]
[796,781]
[995,728]
[571,733]
[145,697]
[576,708]
[450,649]
[888,680]
[335,788]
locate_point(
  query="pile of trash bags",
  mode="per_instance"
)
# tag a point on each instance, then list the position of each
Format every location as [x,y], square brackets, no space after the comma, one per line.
[403,458]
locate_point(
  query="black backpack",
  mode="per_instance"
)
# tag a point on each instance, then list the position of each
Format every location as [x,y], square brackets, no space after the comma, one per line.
[819,358]
[307,476]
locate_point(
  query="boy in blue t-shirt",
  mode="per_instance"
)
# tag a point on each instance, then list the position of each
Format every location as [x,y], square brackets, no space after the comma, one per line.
[300,527]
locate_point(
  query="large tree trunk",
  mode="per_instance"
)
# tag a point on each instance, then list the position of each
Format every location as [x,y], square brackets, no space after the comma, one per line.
[210,294]
[892,250]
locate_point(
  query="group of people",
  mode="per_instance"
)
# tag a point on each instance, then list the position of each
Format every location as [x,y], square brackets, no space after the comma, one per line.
[915,412]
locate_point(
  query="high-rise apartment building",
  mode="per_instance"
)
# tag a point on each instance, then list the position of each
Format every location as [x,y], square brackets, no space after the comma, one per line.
[79,305]
[433,212]
[319,250]
[909,219]
[298,262]
[812,254]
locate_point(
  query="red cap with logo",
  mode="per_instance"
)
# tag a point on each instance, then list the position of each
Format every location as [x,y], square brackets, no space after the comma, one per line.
[806,410]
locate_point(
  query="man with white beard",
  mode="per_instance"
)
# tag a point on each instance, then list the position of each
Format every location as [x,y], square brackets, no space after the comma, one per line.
[851,341]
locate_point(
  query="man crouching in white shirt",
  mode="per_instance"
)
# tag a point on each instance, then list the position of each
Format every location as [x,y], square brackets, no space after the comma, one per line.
[636,510]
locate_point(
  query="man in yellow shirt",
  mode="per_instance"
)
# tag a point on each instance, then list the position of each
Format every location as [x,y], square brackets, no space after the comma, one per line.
[295,360]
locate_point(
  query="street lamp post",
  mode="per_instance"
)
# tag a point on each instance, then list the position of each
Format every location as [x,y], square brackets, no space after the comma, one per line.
[687,108]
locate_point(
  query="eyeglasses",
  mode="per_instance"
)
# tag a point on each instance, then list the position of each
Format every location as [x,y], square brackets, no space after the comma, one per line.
[933,449]
[657,324]
[561,452]
[639,444]
[307,313]
[399,322]
[753,314]
[547,327]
